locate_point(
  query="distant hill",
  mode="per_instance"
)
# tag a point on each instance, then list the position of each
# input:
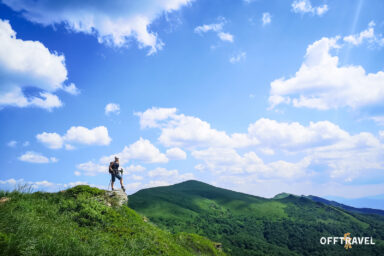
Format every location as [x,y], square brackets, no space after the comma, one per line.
[86,221]
[251,225]
[346,207]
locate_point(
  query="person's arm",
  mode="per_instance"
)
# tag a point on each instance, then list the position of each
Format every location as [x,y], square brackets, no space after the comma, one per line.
[110,166]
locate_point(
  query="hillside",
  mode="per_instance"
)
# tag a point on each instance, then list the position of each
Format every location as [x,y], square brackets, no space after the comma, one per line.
[251,225]
[85,221]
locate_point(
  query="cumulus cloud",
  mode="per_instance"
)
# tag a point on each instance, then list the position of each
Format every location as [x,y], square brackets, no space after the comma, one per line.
[238,57]
[217,28]
[305,6]
[91,169]
[162,172]
[366,35]
[226,160]
[176,154]
[135,168]
[166,177]
[322,144]
[266,18]
[113,22]
[37,158]
[151,117]
[321,83]
[76,134]
[294,136]
[51,140]
[112,108]
[142,150]
[30,64]
[178,130]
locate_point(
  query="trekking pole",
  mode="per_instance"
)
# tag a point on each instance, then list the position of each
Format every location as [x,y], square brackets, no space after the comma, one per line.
[110,181]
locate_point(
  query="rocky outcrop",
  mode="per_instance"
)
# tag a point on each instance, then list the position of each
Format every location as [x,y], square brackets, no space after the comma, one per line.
[118,196]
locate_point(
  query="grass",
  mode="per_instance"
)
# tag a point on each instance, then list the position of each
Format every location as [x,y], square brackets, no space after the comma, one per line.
[79,222]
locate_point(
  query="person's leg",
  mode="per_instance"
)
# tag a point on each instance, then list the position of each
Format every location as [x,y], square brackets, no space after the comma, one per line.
[113,180]
[121,181]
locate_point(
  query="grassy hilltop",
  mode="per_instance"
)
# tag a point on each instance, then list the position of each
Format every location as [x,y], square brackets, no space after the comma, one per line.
[250,225]
[84,221]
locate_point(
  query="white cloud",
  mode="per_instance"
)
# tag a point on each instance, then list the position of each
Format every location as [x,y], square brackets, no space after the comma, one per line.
[217,28]
[238,57]
[167,177]
[69,147]
[142,150]
[162,172]
[136,177]
[34,157]
[112,108]
[266,18]
[113,22]
[225,36]
[176,154]
[365,35]
[51,140]
[294,136]
[76,134]
[71,89]
[12,143]
[26,144]
[91,169]
[305,6]
[151,117]
[30,64]
[134,168]
[381,134]
[156,183]
[178,130]
[82,135]
[339,154]
[321,83]
[225,160]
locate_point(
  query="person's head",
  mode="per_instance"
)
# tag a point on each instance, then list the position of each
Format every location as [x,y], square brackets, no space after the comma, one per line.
[116,159]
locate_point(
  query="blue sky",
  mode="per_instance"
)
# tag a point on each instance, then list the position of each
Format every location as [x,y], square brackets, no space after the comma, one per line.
[256,96]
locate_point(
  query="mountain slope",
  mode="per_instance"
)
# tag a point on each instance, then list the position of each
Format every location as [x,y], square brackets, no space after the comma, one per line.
[251,225]
[85,221]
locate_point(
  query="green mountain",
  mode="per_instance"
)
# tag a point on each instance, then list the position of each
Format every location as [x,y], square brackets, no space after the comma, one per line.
[251,225]
[86,221]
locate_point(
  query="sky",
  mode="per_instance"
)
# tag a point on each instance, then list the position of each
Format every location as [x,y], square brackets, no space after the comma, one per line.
[255,96]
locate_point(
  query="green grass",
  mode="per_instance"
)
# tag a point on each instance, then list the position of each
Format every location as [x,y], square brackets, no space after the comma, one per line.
[79,222]
[250,225]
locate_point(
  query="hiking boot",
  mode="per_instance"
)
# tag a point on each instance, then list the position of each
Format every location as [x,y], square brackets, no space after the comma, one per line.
[123,188]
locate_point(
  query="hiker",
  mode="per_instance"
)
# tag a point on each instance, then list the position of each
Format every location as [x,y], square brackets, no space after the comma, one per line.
[115,173]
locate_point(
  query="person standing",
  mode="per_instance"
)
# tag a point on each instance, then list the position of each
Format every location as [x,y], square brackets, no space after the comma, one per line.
[115,173]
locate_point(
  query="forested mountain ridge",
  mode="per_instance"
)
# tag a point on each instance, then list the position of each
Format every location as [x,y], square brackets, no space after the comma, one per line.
[251,225]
